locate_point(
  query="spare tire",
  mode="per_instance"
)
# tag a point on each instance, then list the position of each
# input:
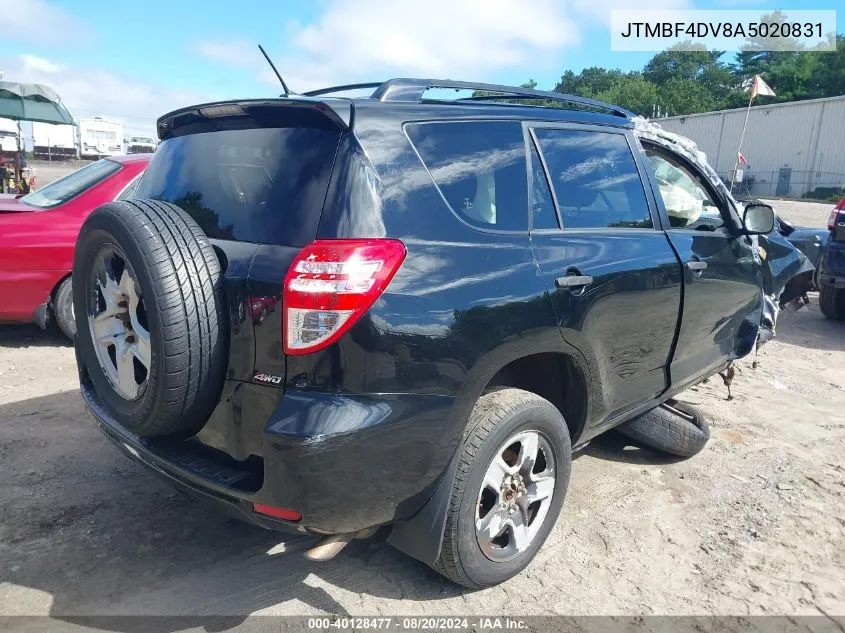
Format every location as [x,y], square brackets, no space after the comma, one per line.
[150,317]
[674,427]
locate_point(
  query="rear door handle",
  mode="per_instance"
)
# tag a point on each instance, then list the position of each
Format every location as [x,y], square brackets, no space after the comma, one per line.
[573,281]
[696,266]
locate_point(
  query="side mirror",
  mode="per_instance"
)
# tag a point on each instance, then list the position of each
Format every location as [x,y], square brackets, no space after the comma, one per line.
[758,219]
[786,228]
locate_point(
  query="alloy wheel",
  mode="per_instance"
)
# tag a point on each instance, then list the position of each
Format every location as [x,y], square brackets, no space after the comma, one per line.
[117,319]
[515,496]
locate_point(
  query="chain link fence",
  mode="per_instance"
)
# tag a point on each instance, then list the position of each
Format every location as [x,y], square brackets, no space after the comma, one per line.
[785,182]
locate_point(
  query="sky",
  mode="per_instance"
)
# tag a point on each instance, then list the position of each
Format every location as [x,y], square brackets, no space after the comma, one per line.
[134,61]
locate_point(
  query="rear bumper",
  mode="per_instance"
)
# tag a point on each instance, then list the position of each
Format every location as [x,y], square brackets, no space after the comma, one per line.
[195,475]
[832,280]
[344,462]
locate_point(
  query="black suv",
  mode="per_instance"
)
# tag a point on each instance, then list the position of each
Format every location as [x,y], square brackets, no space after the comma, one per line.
[832,267]
[331,314]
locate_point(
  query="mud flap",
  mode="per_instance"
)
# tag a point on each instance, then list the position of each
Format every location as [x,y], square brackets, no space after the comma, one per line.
[41,316]
[421,536]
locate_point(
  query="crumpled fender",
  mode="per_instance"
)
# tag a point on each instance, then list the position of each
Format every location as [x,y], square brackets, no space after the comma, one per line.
[787,276]
[787,273]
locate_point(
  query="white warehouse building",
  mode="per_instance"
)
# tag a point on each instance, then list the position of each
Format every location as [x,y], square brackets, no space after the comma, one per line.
[791,148]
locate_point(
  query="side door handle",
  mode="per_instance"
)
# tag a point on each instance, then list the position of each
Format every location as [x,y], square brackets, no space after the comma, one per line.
[573,281]
[696,266]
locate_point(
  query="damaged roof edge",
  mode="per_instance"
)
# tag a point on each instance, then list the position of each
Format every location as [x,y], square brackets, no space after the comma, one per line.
[651,131]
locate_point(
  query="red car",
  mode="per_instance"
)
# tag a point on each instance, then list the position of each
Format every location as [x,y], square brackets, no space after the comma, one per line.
[37,236]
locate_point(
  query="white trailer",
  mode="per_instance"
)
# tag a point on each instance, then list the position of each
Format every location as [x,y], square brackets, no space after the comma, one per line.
[99,137]
[54,142]
[8,136]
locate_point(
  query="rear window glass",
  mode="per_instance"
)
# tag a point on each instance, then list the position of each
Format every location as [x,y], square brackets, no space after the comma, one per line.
[479,167]
[595,179]
[72,185]
[253,185]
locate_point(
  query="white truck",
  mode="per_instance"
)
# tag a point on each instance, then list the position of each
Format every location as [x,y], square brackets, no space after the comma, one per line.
[140,145]
[54,142]
[99,137]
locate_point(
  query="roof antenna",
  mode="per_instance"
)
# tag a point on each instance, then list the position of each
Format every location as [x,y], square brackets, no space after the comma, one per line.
[273,66]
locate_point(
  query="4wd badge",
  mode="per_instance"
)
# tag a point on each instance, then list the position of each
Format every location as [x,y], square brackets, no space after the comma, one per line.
[267,379]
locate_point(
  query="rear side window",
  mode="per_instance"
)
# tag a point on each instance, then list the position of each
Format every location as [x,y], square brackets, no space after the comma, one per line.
[253,185]
[72,185]
[595,179]
[479,167]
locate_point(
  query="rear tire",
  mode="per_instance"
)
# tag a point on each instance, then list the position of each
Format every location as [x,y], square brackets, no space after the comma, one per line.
[63,308]
[674,427]
[498,418]
[174,284]
[832,302]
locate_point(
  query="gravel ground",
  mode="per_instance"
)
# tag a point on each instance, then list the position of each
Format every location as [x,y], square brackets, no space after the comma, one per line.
[46,172]
[810,214]
[755,524]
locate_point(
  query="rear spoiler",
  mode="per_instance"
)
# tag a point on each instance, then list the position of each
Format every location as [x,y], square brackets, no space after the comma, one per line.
[256,113]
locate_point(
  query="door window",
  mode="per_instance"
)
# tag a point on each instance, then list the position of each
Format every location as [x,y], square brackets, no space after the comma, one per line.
[595,179]
[688,202]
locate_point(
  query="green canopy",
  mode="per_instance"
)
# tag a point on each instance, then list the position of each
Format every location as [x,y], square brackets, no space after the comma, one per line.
[32,102]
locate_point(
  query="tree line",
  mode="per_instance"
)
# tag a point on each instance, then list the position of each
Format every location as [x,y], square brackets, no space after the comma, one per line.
[676,82]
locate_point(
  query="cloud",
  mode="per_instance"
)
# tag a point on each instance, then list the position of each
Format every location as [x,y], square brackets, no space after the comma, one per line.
[370,40]
[36,20]
[33,64]
[739,3]
[94,91]
[599,10]
[235,53]
[374,39]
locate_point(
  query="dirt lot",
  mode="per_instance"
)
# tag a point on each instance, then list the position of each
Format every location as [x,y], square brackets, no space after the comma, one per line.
[755,524]
[813,214]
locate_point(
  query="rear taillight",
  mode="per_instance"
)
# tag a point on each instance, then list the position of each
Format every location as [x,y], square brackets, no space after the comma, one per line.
[834,215]
[330,285]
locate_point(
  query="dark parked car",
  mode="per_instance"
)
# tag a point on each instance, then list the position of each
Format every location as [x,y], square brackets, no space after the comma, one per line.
[809,241]
[832,269]
[327,315]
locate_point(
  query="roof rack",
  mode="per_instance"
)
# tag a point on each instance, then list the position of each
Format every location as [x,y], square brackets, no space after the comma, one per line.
[412,90]
[343,88]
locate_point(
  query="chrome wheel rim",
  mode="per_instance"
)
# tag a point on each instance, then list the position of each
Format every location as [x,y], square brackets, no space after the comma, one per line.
[117,319]
[515,496]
